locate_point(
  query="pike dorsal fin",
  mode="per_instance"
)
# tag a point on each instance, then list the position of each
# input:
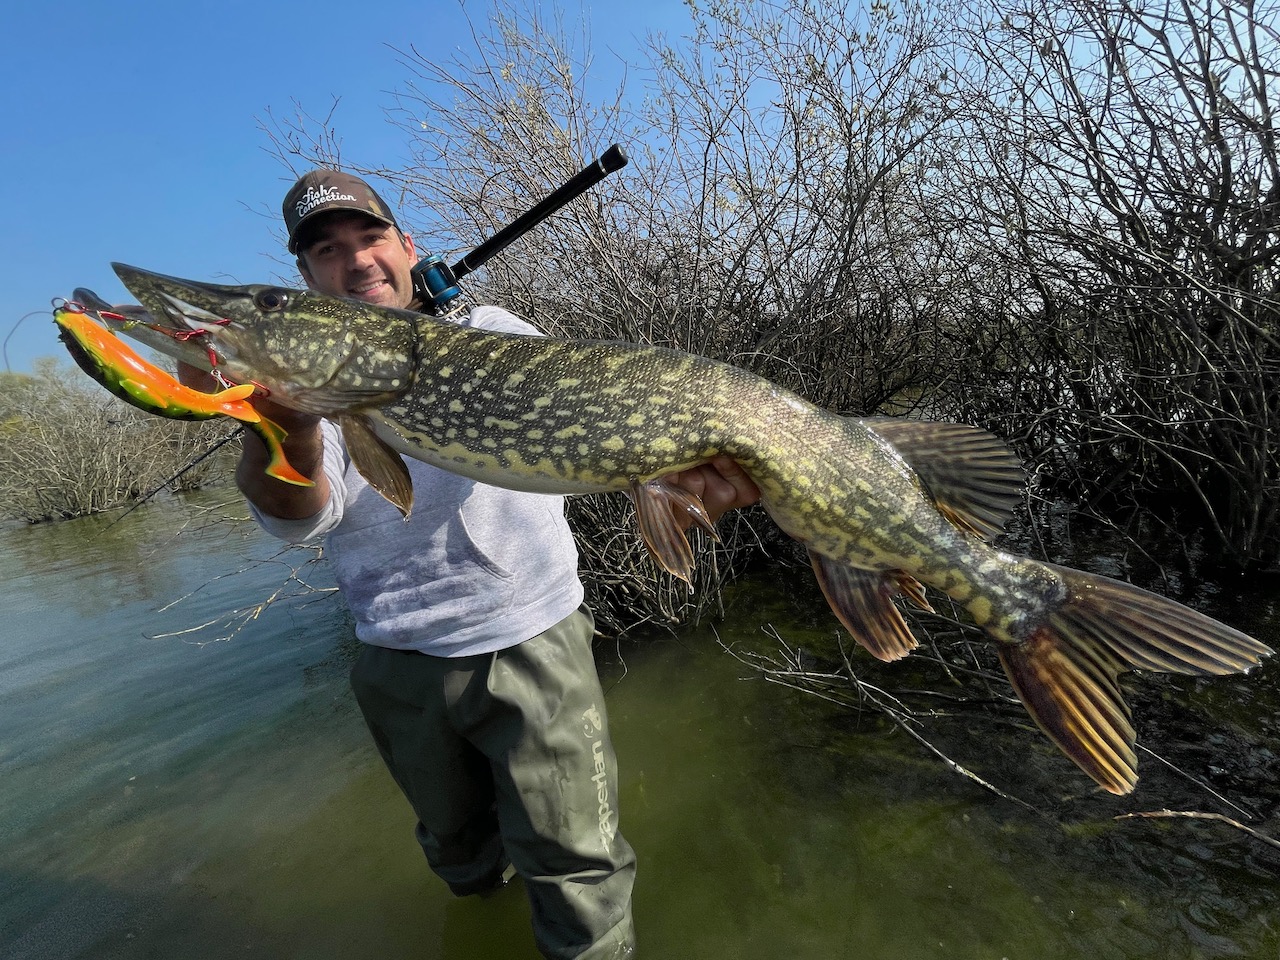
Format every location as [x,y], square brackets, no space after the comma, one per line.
[381,466]
[973,477]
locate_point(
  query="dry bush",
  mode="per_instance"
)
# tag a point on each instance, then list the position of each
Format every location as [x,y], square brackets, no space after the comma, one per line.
[69,448]
[1128,177]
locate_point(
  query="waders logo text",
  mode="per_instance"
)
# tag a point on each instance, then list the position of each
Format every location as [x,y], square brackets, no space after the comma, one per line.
[593,727]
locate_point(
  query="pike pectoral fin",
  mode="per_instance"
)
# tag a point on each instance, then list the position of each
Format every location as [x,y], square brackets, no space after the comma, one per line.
[382,467]
[659,505]
[1066,672]
[973,477]
[278,466]
[862,600]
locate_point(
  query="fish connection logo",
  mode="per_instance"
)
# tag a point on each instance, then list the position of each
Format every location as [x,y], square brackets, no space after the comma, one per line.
[593,728]
[315,196]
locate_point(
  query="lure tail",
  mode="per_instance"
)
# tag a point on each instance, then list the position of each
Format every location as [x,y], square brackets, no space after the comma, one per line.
[278,466]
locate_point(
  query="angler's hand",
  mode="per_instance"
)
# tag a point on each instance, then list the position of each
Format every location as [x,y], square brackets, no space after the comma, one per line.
[304,447]
[721,484]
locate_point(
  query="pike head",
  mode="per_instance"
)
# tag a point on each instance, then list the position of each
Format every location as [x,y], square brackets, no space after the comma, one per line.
[315,353]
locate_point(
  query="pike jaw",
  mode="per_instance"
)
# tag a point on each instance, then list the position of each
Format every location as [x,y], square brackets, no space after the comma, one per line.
[311,352]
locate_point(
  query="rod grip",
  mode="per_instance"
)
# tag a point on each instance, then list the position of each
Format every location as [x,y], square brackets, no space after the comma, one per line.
[615,158]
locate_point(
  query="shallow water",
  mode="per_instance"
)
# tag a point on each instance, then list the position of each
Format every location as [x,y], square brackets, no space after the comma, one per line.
[184,796]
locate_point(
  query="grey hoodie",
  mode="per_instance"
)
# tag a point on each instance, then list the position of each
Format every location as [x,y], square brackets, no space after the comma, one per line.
[474,569]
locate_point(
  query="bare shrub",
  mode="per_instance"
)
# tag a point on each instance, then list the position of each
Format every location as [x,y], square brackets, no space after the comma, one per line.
[1128,173]
[69,448]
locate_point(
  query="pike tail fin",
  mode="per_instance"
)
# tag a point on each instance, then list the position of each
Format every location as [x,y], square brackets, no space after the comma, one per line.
[1066,672]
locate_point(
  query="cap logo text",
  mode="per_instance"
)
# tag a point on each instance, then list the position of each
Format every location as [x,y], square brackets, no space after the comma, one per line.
[315,196]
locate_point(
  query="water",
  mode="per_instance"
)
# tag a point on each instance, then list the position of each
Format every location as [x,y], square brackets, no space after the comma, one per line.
[204,798]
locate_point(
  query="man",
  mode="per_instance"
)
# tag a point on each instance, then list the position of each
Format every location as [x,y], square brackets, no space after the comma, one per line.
[477,679]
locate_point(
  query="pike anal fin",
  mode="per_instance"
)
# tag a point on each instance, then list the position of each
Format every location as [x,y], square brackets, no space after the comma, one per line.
[381,466]
[660,505]
[1067,671]
[862,601]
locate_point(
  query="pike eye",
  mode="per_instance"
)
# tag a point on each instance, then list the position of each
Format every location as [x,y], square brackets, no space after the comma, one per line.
[271,300]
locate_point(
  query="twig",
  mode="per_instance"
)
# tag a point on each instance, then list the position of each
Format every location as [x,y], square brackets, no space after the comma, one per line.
[233,621]
[1198,782]
[1197,815]
[955,767]
[792,674]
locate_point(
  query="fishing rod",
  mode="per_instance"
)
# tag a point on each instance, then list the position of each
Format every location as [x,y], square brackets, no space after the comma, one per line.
[436,283]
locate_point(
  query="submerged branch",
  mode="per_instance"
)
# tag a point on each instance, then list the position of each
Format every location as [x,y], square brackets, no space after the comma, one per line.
[1197,815]
[834,687]
[1193,779]
[231,622]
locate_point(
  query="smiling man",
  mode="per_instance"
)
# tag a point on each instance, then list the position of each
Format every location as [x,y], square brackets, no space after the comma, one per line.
[347,241]
[476,679]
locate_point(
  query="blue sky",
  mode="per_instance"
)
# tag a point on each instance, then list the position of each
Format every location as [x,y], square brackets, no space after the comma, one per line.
[130,130]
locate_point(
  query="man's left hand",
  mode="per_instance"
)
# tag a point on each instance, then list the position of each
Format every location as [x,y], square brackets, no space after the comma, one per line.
[720,483]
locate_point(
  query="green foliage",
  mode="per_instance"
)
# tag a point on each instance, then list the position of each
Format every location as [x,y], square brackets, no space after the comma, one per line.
[69,448]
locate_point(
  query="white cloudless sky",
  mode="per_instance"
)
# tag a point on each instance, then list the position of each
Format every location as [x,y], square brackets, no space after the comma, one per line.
[130,131]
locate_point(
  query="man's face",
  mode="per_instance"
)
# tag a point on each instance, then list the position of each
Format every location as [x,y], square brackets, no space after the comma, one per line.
[350,255]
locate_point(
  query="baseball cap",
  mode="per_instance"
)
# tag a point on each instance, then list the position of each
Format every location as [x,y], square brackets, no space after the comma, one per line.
[324,191]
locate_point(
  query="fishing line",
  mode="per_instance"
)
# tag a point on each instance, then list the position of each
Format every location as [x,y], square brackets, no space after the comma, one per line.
[4,347]
[164,483]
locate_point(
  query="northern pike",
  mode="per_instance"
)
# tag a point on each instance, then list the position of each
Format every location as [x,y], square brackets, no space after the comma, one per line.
[884,506]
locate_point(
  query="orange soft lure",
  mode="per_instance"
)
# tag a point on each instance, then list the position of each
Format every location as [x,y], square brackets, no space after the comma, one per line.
[115,365]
